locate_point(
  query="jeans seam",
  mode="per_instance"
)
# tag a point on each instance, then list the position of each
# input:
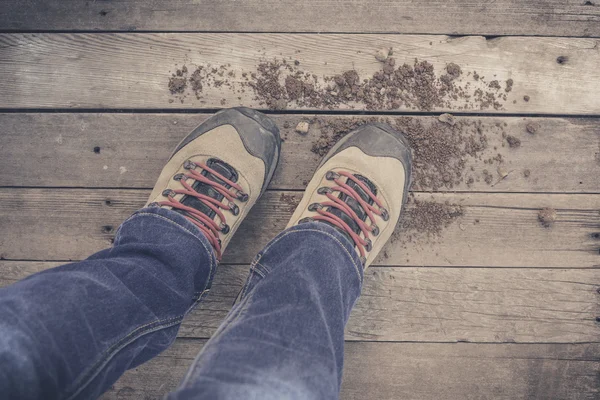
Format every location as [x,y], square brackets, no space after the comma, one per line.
[266,249]
[108,354]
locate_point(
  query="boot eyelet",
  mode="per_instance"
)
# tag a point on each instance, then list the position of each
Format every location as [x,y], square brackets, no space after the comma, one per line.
[330,175]
[375,230]
[178,177]
[235,210]
[384,214]
[168,193]
[315,207]
[324,190]
[369,245]
[305,220]
[243,197]
[189,164]
[224,229]
[363,260]
[154,204]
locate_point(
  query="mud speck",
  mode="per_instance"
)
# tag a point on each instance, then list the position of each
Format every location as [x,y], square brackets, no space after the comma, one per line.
[547,216]
[453,70]
[177,83]
[513,142]
[532,127]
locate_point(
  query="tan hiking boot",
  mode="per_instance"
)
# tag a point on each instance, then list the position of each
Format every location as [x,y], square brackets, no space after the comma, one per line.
[218,171]
[360,188]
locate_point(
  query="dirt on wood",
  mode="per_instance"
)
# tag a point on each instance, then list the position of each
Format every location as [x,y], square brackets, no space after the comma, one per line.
[547,216]
[414,84]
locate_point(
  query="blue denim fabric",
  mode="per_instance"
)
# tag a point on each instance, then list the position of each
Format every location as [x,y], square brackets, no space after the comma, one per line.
[70,332]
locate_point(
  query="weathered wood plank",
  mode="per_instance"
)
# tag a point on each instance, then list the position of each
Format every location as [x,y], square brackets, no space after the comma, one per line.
[426,371]
[123,71]
[495,229]
[460,17]
[128,150]
[500,305]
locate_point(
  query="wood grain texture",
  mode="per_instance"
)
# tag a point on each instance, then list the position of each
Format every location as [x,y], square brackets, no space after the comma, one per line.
[457,17]
[496,230]
[124,71]
[498,305]
[562,156]
[424,371]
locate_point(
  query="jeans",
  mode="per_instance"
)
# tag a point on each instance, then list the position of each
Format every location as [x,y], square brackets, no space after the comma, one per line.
[70,332]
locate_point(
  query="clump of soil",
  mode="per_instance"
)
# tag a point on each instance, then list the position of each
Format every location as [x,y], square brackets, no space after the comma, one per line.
[532,127]
[513,141]
[509,85]
[547,216]
[426,219]
[178,81]
[453,70]
[196,82]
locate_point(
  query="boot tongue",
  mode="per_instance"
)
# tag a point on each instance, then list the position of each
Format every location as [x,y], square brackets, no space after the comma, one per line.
[222,168]
[353,204]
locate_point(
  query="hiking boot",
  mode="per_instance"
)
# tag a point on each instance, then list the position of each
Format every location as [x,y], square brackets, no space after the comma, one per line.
[218,172]
[360,188]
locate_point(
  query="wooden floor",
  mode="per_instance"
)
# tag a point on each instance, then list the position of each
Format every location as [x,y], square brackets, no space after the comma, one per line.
[497,307]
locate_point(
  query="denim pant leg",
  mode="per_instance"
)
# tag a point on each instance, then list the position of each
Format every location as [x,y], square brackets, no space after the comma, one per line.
[71,331]
[285,338]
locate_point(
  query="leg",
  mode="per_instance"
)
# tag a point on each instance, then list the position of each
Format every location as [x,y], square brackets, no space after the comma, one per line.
[285,338]
[71,331]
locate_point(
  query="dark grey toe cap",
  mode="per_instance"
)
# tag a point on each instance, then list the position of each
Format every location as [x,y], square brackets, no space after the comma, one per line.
[259,134]
[377,140]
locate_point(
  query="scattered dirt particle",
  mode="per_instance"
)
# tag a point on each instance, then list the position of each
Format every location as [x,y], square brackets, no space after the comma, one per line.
[302,127]
[532,127]
[426,219]
[447,119]
[290,202]
[196,82]
[286,124]
[97,149]
[177,84]
[562,60]
[487,177]
[513,141]
[453,70]
[526,98]
[502,172]
[382,54]
[509,85]
[547,216]
[526,173]
[495,85]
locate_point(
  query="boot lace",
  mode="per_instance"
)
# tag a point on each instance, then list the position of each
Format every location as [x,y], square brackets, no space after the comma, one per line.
[324,209]
[207,225]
